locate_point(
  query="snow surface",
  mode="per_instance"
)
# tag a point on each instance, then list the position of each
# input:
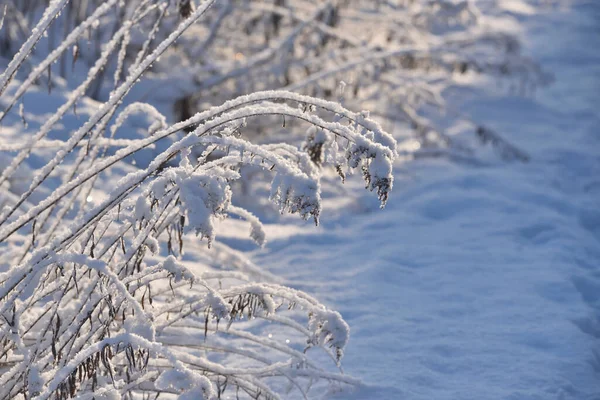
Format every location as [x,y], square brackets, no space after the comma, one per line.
[477,282]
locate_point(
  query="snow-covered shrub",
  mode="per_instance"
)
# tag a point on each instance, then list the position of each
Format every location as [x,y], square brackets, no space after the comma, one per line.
[397,58]
[96,300]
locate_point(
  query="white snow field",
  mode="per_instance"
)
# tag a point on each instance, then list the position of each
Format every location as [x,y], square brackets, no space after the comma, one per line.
[478,282]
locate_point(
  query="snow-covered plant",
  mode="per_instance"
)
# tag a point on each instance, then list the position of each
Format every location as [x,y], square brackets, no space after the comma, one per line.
[162,107]
[413,51]
[96,298]
[400,59]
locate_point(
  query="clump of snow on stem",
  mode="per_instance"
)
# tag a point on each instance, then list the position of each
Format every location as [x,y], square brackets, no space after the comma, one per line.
[203,196]
[176,269]
[189,384]
[316,142]
[257,232]
[328,328]
[35,381]
[219,307]
[140,326]
[142,208]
